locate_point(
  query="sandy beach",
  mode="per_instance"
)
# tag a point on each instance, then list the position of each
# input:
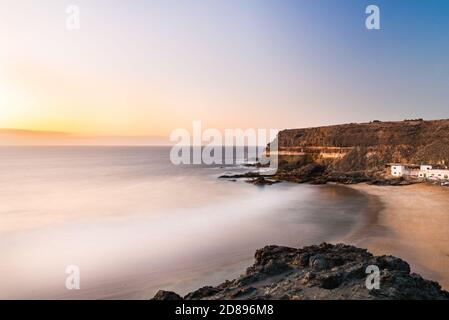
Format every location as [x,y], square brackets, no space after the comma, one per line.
[413,224]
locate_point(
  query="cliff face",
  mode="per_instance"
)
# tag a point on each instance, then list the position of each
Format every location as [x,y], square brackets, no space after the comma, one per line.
[368,146]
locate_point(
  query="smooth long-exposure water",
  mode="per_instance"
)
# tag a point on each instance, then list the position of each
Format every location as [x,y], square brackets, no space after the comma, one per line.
[135,223]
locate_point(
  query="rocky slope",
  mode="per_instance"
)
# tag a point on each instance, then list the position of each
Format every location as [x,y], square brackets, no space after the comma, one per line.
[319,272]
[367,146]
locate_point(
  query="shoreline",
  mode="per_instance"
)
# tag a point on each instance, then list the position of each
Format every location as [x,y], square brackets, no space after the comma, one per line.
[407,239]
[416,231]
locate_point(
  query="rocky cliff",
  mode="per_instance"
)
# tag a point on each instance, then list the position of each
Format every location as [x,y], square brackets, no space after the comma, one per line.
[366,146]
[319,272]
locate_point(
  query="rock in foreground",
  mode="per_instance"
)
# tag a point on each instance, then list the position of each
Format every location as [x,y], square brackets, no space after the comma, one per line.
[319,272]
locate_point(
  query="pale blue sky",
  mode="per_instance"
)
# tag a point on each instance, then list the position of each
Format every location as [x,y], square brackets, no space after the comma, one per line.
[148,67]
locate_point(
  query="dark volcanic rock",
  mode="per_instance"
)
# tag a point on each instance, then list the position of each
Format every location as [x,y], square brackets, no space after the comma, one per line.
[261,181]
[320,272]
[202,293]
[166,295]
[240,175]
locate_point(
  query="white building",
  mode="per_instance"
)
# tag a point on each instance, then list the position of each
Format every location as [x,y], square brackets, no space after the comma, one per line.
[398,170]
[422,172]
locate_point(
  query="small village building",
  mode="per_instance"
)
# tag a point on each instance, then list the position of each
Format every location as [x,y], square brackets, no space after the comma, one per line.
[421,172]
[398,170]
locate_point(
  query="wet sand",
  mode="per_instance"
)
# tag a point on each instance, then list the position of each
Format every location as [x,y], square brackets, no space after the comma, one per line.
[413,224]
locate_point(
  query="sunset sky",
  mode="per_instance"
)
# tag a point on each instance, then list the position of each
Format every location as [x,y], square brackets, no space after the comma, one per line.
[145,68]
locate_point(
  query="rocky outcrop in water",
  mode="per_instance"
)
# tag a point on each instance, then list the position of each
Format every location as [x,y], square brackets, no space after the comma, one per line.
[261,181]
[317,174]
[319,272]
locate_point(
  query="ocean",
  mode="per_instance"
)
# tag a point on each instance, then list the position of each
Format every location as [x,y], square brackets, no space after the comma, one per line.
[135,223]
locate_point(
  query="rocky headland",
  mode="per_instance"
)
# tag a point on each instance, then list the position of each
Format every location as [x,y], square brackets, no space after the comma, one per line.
[368,146]
[325,271]
[355,153]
